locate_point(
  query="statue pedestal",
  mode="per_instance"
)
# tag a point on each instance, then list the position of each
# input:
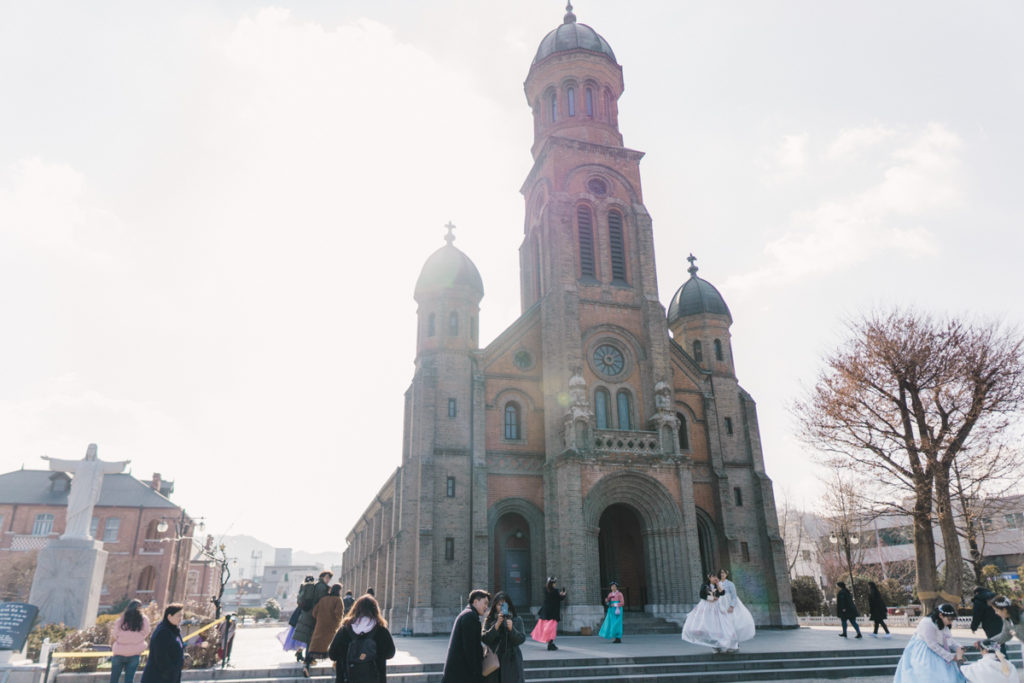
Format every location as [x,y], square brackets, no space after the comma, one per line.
[68,581]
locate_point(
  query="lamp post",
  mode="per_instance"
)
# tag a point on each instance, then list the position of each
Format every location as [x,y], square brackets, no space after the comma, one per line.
[846,539]
[182,530]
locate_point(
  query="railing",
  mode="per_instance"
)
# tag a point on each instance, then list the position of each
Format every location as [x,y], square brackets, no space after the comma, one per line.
[891,620]
[22,542]
[624,441]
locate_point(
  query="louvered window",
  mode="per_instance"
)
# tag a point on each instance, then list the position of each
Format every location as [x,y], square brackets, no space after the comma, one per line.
[571,96]
[586,237]
[618,249]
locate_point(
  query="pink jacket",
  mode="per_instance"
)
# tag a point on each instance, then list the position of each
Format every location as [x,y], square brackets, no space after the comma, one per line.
[128,643]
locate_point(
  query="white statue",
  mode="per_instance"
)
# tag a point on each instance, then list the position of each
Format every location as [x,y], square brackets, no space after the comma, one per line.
[85,488]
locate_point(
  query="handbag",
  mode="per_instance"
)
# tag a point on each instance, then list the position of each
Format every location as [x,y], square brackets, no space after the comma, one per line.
[491,663]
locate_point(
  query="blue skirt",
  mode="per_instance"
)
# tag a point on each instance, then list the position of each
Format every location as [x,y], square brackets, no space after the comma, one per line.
[612,626]
[919,663]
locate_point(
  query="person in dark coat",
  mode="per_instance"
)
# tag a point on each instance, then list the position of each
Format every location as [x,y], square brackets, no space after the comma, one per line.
[983,614]
[504,633]
[166,648]
[877,610]
[328,614]
[464,661]
[348,600]
[549,614]
[846,610]
[308,598]
[363,618]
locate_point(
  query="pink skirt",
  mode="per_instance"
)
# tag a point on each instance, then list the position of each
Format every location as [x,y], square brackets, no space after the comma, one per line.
[545,630]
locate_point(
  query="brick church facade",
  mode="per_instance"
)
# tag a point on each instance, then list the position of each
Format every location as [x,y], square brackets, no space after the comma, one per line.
[598,437]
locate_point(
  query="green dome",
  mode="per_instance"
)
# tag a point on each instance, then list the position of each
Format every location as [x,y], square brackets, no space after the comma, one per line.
[448,268]
[697,297]
[573,36]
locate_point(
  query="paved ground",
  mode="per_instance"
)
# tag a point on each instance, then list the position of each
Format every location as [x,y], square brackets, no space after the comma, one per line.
[257,647]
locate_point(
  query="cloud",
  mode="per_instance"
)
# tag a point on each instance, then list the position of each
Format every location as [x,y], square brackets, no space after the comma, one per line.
[919,177]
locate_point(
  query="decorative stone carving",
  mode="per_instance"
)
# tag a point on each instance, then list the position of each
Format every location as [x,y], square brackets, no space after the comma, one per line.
[85,489]
[665,421]
[579,418]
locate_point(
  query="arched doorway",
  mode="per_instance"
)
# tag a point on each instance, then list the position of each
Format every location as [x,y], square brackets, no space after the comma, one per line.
[706,543]
[621,554]
[512,558]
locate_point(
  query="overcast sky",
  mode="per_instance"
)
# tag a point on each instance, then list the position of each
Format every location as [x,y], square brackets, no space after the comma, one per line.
[212,215]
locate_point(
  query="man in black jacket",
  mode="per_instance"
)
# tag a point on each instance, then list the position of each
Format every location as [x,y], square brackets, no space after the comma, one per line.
[846,610]
[465,658]
[984,615]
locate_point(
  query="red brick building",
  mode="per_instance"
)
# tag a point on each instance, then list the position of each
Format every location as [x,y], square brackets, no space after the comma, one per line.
[599,437]
[143,562]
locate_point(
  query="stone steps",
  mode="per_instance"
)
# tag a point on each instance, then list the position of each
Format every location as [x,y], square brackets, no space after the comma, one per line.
[705,668]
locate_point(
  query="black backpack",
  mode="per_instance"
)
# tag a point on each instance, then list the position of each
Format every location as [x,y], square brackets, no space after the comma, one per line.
[361,660]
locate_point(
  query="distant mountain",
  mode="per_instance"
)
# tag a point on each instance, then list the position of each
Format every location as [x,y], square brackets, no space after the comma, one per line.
[252,554]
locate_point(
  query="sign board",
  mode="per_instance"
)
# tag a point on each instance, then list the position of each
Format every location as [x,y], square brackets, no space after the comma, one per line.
[15,623]
[1010,576]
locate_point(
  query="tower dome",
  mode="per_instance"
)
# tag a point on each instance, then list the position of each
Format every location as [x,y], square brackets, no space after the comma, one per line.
[448,268]
[573,36]
[696,297]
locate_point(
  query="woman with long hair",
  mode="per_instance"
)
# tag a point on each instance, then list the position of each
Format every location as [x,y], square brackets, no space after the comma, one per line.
[612,625]
[708,624]
[549,614]
[932,654]
[166,648]
[877,610]
[363,643]
[128,639]
[504,633]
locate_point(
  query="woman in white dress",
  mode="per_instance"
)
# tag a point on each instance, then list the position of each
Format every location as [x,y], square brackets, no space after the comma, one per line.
[742,620]
[709,624]
[932,655]
[993,666]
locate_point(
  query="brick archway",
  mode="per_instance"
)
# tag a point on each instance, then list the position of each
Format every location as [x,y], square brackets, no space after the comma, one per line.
[661,530]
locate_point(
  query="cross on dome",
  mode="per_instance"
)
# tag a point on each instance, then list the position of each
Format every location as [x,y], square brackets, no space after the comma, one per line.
[450,237]
[569,17]
[692,270]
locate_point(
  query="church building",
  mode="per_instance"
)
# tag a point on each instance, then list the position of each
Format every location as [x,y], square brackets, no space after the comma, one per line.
[598,437]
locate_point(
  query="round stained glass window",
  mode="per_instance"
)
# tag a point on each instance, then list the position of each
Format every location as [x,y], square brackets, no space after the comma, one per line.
[523,360]
[597,186]
[608,360]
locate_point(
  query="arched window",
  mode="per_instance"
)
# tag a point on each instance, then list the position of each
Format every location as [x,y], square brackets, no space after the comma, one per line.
[622,402]
[147,579]
[698,351]
[554,107]
[602,409]
[430,325]
[616,246]
[588,95]
[585,230]
[453,324]
[718,349]
[571,95]
[512,425]
[684,434]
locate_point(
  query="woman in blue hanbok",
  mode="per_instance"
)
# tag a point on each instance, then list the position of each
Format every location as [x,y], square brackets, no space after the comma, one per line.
[742,620]
[932,654]
[612,626]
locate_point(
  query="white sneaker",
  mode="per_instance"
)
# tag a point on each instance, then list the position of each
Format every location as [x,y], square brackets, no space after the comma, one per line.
[887,635]
[873,635]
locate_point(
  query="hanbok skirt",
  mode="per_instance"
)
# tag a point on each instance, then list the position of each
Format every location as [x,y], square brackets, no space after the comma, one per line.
[545,630]
[989,669]
[612,626]
[287,642]
[742,621]
[708,625]
[919,664]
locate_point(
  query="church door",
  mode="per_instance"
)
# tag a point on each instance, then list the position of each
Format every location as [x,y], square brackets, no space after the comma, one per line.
[517,576]
[621,550]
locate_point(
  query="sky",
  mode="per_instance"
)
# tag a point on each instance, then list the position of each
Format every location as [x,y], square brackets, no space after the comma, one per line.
[213,214]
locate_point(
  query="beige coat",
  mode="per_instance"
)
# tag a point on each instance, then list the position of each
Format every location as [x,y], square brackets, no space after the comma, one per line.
[328,613]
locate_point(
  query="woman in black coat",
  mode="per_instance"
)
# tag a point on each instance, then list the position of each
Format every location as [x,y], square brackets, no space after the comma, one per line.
[504,633]
[549,614]
[363,621]
[877,610]
[166,649]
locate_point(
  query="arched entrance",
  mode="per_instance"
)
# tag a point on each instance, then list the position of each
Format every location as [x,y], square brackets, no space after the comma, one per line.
[706,543]
[512,558]
[621,554]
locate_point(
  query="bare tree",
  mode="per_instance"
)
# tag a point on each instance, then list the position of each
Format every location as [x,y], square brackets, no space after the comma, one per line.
[900,401]
[793,532]
[842,550]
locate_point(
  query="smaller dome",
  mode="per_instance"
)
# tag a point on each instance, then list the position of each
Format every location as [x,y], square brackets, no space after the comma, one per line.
[697,297]
[573,36]
[448,268]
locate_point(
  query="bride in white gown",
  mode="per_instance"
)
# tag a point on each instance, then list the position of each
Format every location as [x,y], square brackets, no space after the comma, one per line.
[742,620]
[709,623]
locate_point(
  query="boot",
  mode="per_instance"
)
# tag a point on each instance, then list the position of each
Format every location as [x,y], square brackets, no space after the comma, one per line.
[552,646]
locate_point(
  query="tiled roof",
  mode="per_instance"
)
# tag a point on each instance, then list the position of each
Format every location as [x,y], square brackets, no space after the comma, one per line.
[33,487]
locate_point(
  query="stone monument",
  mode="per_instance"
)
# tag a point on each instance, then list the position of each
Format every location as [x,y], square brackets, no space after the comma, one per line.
[69,573]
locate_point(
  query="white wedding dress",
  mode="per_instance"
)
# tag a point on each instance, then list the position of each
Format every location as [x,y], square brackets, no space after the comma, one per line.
[709,624]
[742,620]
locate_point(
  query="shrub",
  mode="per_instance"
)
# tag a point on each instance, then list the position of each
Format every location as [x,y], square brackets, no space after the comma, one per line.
[273,608]
[807,596]
[55,632]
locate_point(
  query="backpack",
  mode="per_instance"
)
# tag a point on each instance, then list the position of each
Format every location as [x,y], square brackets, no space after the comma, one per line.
[307,597]
[361,660]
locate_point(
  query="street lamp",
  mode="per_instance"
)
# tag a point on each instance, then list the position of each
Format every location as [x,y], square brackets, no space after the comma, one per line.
[182,530]
[847,540]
